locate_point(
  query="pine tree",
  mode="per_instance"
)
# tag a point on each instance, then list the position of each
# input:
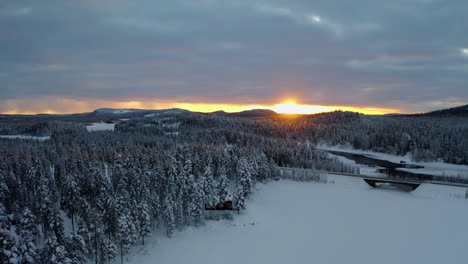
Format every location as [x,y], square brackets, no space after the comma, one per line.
[9,253]
[108,251]
[208,185]
[4,222]
[53,253]
[244,182]
[71,198]
[56,225]
[143,222]
[125,233]
[169,217]
[44,201]
[27,231]
[75,246]
[180,192]
[84,233]
[222,185]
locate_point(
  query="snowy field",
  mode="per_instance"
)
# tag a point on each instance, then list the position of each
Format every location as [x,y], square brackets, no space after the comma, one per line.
[100,127]
[345,221]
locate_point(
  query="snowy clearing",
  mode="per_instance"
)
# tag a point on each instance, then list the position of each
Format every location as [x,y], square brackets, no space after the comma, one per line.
[25,137]
[100,127]
[344,222]
[122,111]
[434,168]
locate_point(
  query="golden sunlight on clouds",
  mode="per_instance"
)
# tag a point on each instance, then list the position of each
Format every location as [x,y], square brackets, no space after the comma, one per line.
[291,107]
[288,107]
[68,106]
[207,108]
[464,51]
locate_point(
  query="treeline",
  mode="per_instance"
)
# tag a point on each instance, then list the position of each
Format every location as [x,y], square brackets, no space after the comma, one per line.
[83,196]
[33,127]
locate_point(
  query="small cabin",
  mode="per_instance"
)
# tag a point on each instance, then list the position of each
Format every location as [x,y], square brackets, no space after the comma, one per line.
[224,206]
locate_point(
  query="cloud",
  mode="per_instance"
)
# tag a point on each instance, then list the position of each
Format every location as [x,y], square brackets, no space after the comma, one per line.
[358,53]
[304,17]
[464,51]
[407,63]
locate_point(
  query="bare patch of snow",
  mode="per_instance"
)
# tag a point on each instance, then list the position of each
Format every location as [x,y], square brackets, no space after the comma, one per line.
[25,137]
[174,125]
[122,111]
[100,127]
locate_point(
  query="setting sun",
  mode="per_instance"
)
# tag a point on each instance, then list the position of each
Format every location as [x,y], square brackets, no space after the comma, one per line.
[290,107]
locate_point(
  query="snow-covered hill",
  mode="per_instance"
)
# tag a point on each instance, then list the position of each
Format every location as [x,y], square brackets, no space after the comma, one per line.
[344,221]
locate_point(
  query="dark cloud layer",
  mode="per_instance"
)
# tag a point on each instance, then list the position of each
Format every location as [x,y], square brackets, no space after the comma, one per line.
[407,54]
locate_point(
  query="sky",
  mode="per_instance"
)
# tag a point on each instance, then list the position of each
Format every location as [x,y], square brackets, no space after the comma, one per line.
[375,56]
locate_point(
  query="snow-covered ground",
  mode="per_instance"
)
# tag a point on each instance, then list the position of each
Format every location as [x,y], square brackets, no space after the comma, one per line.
[100,127]
[343,222]
[434,168]
[25,137]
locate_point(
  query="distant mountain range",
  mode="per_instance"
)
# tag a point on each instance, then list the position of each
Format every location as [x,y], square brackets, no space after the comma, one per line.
[255,113]
[461,111]
[129,113]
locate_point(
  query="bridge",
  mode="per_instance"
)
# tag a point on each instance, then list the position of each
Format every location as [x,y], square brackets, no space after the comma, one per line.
[299,174]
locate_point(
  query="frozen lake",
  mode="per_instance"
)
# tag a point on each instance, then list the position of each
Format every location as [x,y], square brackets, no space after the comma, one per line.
[345,221]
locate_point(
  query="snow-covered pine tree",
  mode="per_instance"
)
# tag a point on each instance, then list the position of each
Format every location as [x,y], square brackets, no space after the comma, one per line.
[43,201]
[208,186]
[244,182]
[168,214]
[28,232]
[84,233]
[75,246]
[108,251]
[143,221]
[180,192]
[156,177]
[4,221]
[70,197]
[264,167]
[9,253]
[56,224]
[53,252]
[196,205]
[222,184]
[125,233]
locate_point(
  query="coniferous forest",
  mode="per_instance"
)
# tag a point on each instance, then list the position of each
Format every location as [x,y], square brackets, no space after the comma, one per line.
[90,196]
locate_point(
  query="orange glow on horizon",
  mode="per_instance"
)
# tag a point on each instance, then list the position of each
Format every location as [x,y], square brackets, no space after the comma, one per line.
[68,106]
[291,107]
[288,107]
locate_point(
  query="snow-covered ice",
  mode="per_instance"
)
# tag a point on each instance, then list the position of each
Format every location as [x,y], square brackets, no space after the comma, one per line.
[25,137]
[343,222]
[100,126]
[363,169]
[433,168]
